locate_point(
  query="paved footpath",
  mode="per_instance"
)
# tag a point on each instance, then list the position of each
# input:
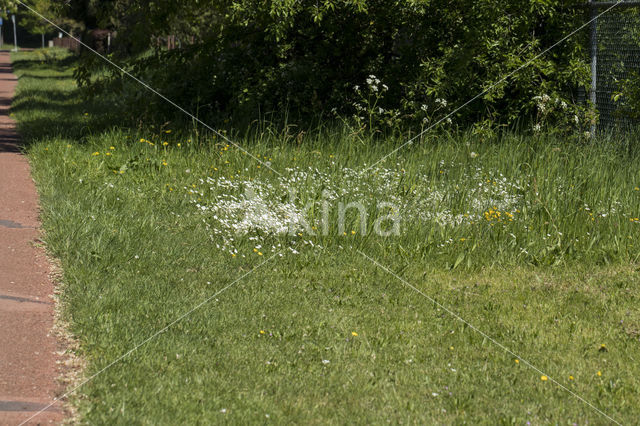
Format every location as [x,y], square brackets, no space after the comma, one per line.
[28,369]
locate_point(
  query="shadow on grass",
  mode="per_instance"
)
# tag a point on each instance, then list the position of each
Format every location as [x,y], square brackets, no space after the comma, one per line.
[41,63]
[44,111]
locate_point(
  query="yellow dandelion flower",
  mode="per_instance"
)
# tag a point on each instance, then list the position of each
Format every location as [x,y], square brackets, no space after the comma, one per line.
[165,143]
[353,232]
[517,361]
[259,253]
[599,373]
[111,147]
[96,153]
[570,377]
[544,378]
[179,145]
[107,153]
[261,331]
[354,334]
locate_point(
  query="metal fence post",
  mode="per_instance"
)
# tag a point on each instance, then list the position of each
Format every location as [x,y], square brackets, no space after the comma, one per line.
[15,35]
[594,61]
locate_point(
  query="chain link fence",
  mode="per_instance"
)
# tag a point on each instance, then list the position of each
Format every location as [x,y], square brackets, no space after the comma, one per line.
[615,63]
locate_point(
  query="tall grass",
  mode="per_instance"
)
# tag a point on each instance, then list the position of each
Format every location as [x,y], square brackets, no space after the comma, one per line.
[144,222]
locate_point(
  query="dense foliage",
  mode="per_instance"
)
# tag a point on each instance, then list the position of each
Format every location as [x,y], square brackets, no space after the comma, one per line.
[379,62]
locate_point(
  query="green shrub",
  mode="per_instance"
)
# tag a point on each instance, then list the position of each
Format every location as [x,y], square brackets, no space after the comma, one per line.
[248,58]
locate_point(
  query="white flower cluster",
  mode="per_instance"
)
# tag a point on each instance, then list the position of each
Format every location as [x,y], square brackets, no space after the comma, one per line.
[374,84]
[260,210]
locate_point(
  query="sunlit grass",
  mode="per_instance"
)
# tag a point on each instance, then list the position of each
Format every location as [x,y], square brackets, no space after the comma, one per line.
[532,240]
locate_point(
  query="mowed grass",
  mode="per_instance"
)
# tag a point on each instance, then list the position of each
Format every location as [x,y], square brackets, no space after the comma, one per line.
[321,334]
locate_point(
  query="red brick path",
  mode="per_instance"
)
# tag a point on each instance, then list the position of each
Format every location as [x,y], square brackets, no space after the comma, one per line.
[28,367]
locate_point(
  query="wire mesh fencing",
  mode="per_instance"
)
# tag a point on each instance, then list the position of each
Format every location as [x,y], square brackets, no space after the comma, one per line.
[615,63]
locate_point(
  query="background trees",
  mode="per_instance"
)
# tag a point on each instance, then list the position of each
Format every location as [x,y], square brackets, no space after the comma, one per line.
[245,58]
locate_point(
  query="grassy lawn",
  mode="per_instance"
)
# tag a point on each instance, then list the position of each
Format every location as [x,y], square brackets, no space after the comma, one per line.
[533,241]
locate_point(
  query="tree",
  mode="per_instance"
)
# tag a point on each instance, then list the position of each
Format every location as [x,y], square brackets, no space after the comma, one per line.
[244,56]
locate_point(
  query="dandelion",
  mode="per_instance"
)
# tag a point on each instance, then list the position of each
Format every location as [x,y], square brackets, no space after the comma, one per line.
[570,377]
[354,334]
[165,143]
[95,153]
[262,332]
[599,373]
[517,361]
[111,147]
[544,378]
